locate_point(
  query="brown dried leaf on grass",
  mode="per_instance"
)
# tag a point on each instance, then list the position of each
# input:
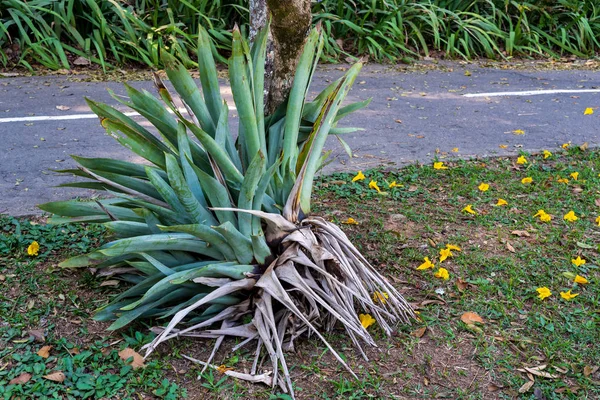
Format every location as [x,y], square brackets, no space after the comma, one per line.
[136,362]
[521,233]
[461,285]
[471,318]
[510,248]
[419,332]
[589,370]
[44,352]
[57,376]
[525,388]
[21,379]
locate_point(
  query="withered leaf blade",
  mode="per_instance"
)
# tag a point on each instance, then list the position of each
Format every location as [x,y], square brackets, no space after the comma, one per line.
[525,388]
[510,248]
[521,233]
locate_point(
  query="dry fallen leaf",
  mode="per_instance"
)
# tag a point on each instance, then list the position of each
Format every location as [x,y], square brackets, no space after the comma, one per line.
[492,387]
[588,370]
[510,248]
[38,335]
[63,108]
[584,146]
[419,332]
[521,233]
[44,352]
[57,376]
[597,202]
[525,388]
[21,379]
[398,121]
[461,285]
[470,318]
[138,360]
[538,371]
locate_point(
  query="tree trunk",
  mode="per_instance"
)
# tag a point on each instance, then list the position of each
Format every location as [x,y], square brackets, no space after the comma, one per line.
[290,23]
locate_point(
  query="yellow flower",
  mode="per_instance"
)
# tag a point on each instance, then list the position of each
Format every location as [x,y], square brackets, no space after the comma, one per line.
[565,145]
[588,111]
[521,160]
[442,273]
[598,220]
[359,177]
[380,297]
[394,184]
[223,368]
[563,180]
[568,295]
[483,187]
[453,247]
[501,202]
[33,248]
[439,165]
[544,216]
[543,292]
[518,132]
[503,146]
[580,279]
[350,221]
[526,180]
[575,175]
[455,150]
[547,154]
[366,320]
[427,264]
[445,253]
[578,261]
[373,185]
[469,209]
[570,216]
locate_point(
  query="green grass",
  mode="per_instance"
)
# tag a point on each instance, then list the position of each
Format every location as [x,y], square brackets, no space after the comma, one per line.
[43,306]
[111,33]
[396,230]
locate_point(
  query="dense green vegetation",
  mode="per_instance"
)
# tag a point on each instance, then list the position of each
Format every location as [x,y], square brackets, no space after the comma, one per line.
[53,33]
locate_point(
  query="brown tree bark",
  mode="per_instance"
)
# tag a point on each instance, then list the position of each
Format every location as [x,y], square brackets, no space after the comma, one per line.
[290,23]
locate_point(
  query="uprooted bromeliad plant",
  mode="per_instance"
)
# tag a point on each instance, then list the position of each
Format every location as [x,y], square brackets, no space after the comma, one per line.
[216,233]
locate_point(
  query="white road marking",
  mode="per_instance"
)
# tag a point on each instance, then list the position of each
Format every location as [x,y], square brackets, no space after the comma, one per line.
[56,117]
[74,116]
[531,92]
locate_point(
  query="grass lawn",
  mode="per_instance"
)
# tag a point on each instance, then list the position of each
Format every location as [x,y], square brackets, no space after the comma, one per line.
[526,347]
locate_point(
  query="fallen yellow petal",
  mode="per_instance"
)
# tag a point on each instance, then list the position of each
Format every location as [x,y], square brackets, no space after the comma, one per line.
[518,132]
[453,247]
[543,292]
[501,202]
[426,265]
[547,154]
[380,297]
[527,180]
[588,111]
[580,279]
[373,185]
[33,248]
[578,261]
[469,209]
[483,187]
[445,253]
[439,165]
[359,177]
[366,320]
[503,146]
[570,216]
[521,160]
[350,221]
[394,184]
[568,295]
[574,175]
[442,273]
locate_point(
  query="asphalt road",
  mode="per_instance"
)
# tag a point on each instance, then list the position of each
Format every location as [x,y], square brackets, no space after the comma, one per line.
[412,115]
